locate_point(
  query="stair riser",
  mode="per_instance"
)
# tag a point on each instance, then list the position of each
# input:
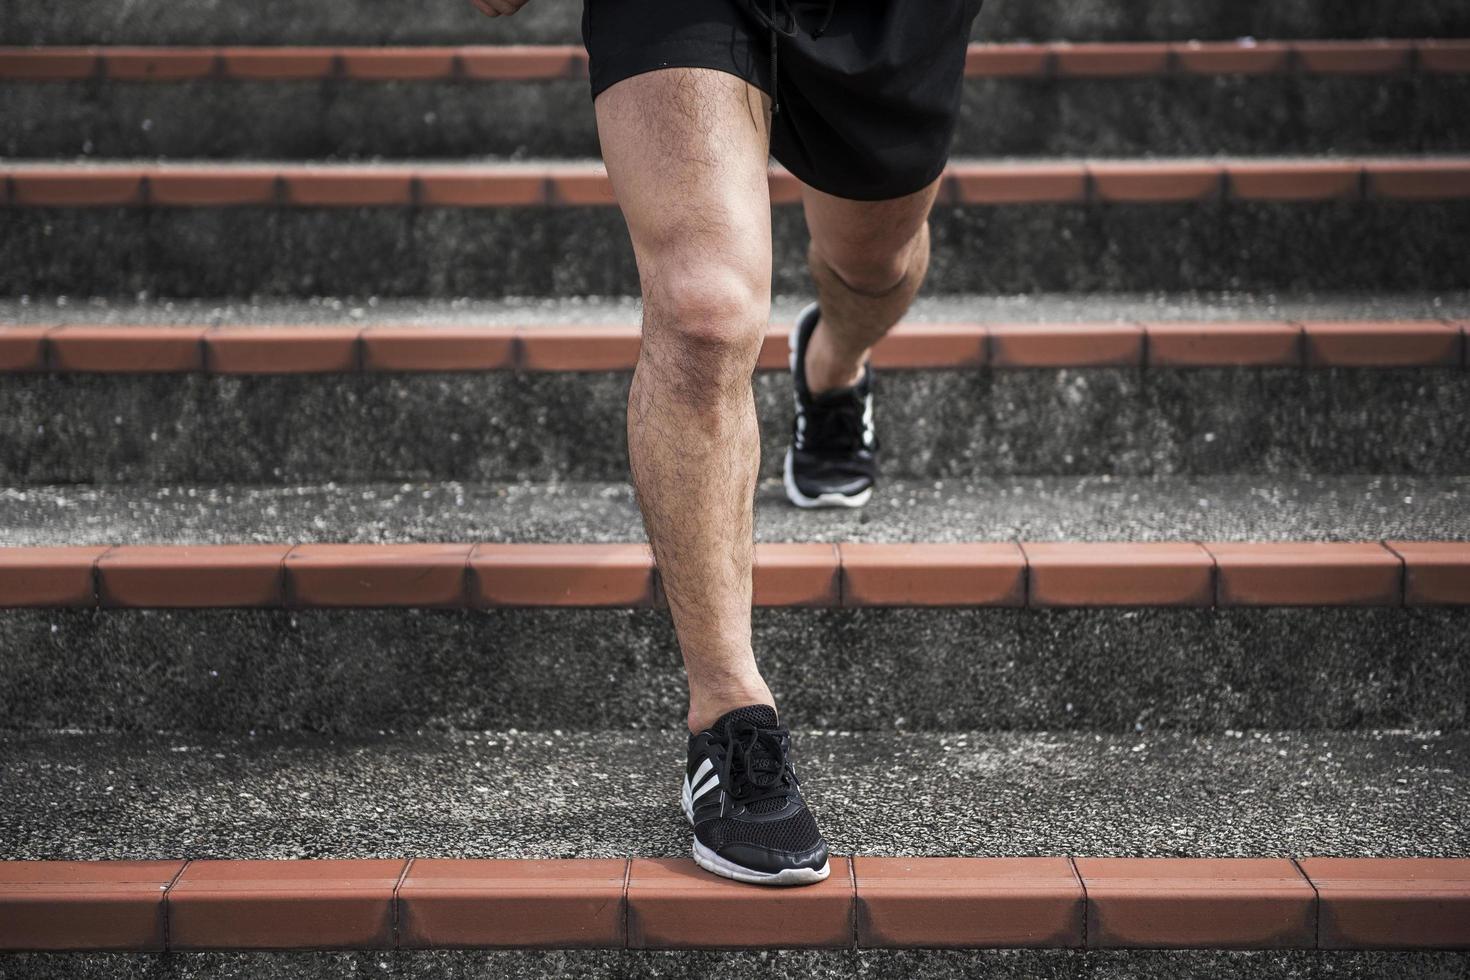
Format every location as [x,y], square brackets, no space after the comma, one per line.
[556,21]
[505,425]
[491,252]
[1180,116]
[361,671]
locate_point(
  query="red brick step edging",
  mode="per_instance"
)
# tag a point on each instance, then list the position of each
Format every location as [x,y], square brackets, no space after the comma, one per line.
[1130,59]
[335,349]
[854,575]
[584,183]
[643,903]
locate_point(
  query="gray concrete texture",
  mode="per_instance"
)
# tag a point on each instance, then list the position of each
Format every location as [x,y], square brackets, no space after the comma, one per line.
[511,426]
[337,119]
[580,251]
[532,311]
[782,965]
[542,21]
[614,794]
[355,671]
[1230,508]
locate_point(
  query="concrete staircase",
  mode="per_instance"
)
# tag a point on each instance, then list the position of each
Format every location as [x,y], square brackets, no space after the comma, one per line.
[1151,656]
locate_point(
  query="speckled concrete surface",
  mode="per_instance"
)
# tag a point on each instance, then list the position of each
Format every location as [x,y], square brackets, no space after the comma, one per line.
[782,965]
[362,671]
[509,425]
[1349,508]
[605,794]
[1223,245]
[534,311]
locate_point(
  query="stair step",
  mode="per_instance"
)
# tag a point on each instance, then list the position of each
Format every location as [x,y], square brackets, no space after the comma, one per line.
[650,903]
[558,21]
[608,794]
[1081,668]
[346,348]
[1312,635]
[1100,508]
[505,228]
[1092,399]
[1025,100]
[577,183]
[1234,820]
[851,575]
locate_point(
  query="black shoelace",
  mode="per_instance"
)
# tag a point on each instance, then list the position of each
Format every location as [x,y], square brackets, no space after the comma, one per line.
[790,29]
[753,764]
[834,429]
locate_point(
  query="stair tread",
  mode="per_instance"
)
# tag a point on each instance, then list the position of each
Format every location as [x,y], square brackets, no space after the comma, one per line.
[539,311]
[610,794]
[1222,508]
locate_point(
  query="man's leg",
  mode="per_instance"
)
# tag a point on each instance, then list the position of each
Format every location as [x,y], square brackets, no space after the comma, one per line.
[868,259]
[686,149]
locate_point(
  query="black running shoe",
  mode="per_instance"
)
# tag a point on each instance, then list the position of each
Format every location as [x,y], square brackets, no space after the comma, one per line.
[833,459]
[741,794]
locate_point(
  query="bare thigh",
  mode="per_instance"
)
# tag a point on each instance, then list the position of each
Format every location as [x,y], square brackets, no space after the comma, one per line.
[686,150]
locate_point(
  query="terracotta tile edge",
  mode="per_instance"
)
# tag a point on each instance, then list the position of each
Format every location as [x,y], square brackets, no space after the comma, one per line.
[166,899]
[840,596]
[1219,577]
[1086,900]
[1403,576]
[1316,903]
[397,903]
[627,881]
[1213,572]
[288,581]
[1299,344]
[209,357]
[853,893]
[102,56]
[412,177]
[96,576]
[837,589]
[515,336]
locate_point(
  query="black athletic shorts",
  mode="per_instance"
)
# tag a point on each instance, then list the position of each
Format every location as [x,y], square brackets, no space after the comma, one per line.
[866,110]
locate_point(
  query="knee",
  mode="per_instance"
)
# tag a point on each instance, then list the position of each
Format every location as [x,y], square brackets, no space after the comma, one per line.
[870,269]
[702,326]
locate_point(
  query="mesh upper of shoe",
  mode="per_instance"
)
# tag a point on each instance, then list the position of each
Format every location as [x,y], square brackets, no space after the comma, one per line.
[795,833]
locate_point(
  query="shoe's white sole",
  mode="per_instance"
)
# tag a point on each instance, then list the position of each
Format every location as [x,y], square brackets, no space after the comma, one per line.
[713,863]
[820,501]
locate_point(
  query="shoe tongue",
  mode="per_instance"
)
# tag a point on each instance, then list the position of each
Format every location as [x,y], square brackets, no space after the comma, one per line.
[764,771]
[761,768]
[839,398]
[759,715]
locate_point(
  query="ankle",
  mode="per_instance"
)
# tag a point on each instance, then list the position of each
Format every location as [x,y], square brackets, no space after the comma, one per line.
[707,705]
[828,368]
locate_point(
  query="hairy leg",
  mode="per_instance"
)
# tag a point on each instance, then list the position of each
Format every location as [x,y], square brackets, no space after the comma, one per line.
[686,149]
[868,259]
